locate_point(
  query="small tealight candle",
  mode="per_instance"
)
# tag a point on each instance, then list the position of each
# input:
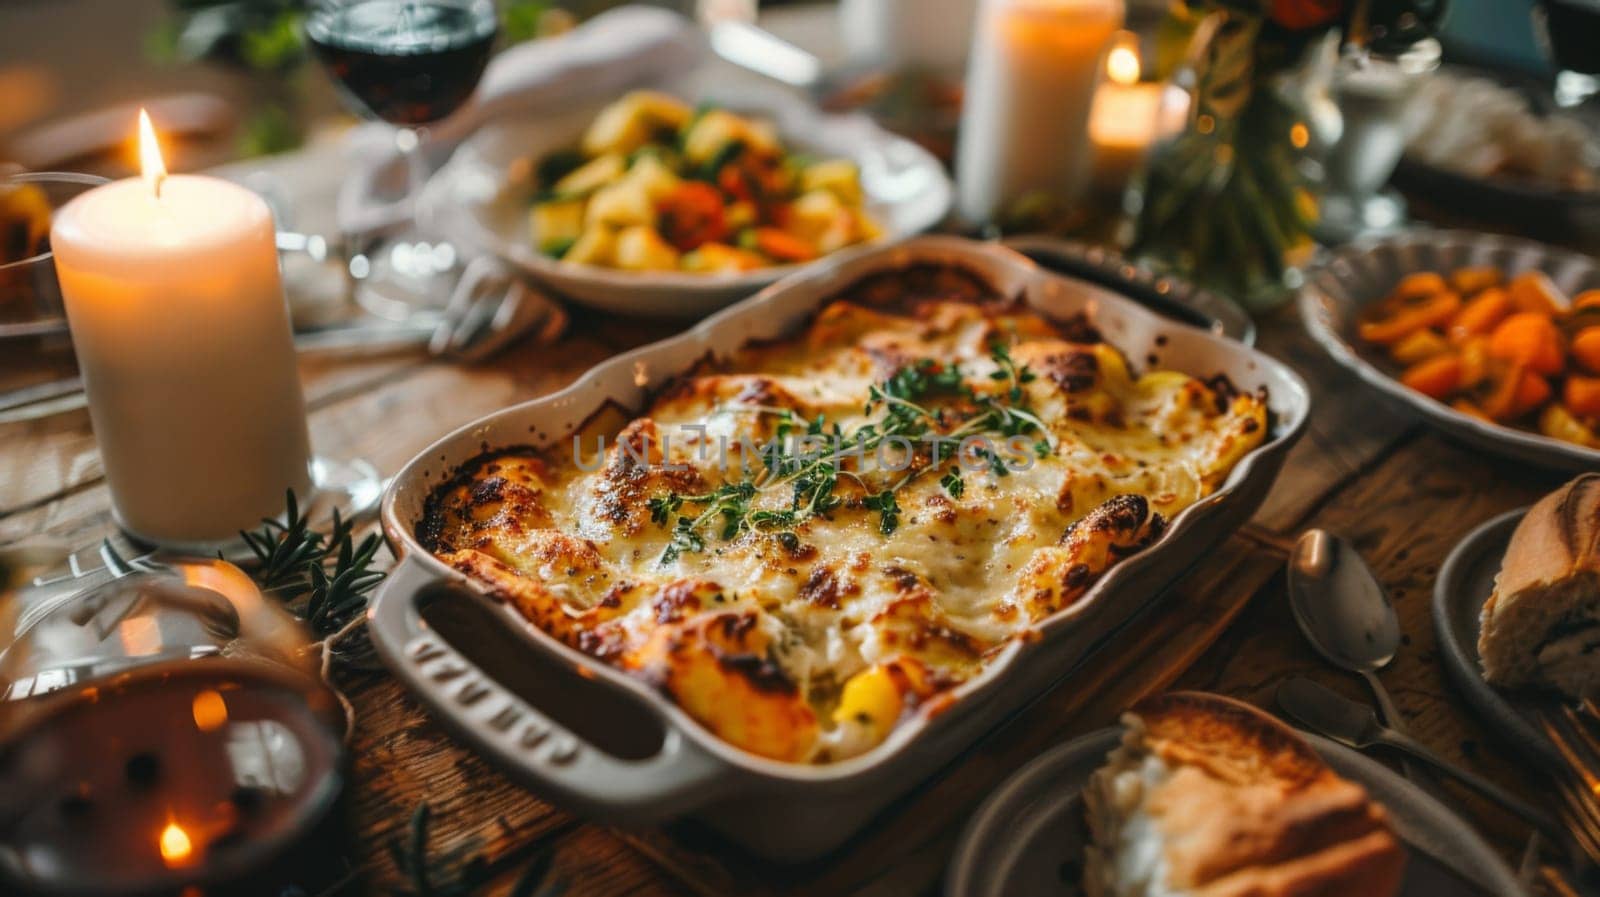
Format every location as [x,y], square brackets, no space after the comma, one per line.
[178,318]
[1032,75]
[1129,116]
[213,776]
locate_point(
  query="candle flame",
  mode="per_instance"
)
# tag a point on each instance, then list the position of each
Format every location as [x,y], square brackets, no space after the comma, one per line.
[174,844]
[210,711]
[1122,65]
[150,162]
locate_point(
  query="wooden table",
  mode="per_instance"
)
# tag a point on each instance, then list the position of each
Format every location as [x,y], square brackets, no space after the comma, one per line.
[1401,492]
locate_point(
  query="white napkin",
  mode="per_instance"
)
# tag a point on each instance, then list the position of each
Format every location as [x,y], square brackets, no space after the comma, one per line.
[628,47]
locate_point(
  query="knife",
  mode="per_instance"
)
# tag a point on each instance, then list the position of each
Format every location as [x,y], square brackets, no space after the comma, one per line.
[1355,725]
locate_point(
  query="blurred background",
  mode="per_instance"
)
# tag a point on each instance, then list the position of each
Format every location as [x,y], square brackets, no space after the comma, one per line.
[64,57]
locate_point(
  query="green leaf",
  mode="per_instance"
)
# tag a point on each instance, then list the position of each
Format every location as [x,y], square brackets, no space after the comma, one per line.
[276,45]
[519,19]
[888,510]
[270,130]
[952,483]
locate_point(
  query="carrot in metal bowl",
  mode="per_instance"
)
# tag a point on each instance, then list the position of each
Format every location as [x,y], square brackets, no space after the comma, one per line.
[1513,350]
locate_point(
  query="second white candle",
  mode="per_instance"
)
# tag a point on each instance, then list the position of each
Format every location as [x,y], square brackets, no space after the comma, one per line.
[1024,122]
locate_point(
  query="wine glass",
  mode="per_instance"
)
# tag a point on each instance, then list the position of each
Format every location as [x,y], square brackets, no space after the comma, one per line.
[409,63]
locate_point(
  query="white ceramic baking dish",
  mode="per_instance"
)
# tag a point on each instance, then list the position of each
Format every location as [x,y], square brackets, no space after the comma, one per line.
[780,810]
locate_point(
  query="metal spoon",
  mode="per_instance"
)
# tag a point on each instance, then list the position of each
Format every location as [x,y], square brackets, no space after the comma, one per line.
[1344,612]
[1352,724]
[1347,617]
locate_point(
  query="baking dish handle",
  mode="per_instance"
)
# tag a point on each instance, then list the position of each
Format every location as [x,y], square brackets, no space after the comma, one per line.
[548,757]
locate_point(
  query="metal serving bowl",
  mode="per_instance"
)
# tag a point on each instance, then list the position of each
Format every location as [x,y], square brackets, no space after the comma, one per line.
[1341,283]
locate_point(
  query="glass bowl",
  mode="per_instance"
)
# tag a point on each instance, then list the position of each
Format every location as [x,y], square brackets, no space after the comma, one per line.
[30,298]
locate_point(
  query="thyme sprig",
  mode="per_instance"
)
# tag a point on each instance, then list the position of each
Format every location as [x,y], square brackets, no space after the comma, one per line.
[897,408]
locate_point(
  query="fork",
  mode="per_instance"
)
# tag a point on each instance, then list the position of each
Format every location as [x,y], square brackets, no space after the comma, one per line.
[1577,784]
[489,308]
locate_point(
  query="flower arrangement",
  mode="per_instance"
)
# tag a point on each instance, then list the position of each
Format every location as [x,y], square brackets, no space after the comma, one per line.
[1230,201]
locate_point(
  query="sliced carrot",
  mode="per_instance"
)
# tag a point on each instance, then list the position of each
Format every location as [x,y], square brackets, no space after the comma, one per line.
[1581,395]
[1419,346]
[1405,315]
[1501,397]
[1586,299]
[783,246]
[1516,391]
[1436,378]
[1586,348]
[1529,339]
[1481,314]
[690,215]
[1468,281]
[1532,391]
[1470,408]
[1535,291]
[1418,285]
[1475,361]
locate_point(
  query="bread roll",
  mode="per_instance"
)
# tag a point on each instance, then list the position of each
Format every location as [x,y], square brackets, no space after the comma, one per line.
[1541,627]
[1210,797]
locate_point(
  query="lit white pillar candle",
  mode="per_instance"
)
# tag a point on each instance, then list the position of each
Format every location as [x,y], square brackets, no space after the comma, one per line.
[179,322]
[1024,120]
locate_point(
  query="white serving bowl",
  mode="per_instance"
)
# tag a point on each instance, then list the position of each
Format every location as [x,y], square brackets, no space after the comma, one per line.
[469,201]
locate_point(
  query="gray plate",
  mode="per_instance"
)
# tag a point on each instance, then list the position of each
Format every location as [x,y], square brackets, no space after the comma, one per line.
[1342,282]
[1465,582]
[1026,840]
[1527,208]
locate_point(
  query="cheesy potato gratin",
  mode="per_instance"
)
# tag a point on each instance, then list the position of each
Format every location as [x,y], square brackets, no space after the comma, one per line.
[801,602]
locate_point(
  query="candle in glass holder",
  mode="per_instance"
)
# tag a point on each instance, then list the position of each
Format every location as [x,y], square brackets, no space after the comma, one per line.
[1024,124]
[1128,116]
[178,318]
[213,776]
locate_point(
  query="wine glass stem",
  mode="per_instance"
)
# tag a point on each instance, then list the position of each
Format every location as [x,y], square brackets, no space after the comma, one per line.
[409,142]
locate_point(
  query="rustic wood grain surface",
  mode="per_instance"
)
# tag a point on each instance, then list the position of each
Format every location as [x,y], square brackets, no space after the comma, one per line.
[1404,495]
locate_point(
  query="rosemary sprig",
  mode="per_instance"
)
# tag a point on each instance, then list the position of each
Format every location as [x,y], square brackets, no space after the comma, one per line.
[323,578]
[284,550]
[896,409]
[339,591]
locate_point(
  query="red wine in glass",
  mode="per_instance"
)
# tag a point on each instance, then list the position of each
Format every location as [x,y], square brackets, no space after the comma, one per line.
[409,62]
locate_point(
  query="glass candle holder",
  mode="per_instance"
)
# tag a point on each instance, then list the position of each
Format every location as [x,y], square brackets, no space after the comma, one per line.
[30,296]
[161,731]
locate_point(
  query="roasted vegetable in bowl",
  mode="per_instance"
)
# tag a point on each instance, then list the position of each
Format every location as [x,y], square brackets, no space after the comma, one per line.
[656,185]
[1514,350]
